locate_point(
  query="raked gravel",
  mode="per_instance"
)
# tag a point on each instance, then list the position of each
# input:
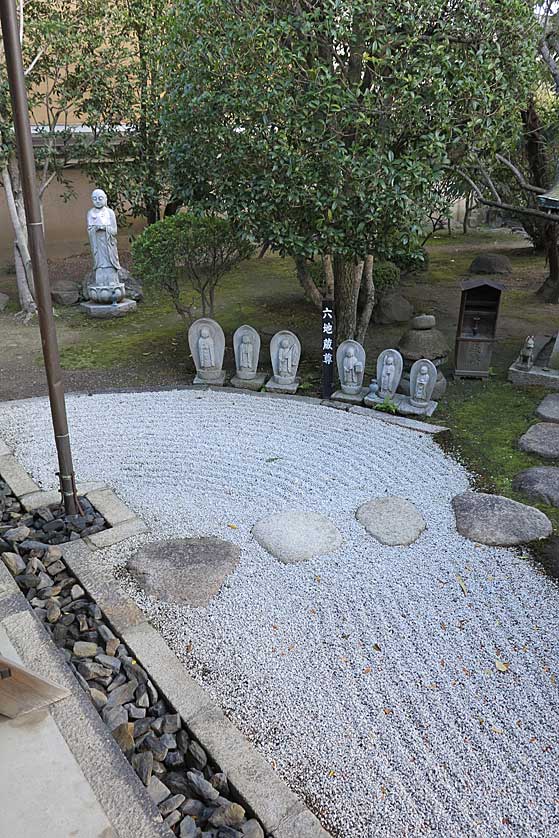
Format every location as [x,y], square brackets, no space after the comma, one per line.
[367,677]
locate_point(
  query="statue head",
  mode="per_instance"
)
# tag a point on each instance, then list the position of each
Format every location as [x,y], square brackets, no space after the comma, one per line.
[245,339]
[350,352]
[389,360]
[284,343]
[99,198]
[204,332]
[423,370]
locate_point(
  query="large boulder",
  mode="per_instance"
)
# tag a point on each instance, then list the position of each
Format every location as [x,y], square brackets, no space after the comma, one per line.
[541,439]
[540,483]
[132,284]
[490,263]
[393,308]
[498,521]
[64,292]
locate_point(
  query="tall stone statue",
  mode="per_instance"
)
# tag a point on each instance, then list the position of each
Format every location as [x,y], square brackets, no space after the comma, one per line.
[285,352]
[105,286]
[246,346]
[389,372]
[206,352]
[423,378]
[350,360]
[207,346]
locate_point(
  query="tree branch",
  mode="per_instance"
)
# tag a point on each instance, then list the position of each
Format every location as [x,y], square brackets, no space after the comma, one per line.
[550,217]
[537,190]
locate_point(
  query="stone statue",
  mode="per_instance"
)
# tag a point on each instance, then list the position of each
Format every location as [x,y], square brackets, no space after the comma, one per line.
[526,360]
[207,347]
[102,232]
[350,359]
[285,351]
[246,346]
[423,377]
[421,384]
[390,365]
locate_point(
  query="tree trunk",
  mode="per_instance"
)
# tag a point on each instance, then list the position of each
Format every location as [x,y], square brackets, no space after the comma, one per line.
[549,291]
[312,293]
[367,295]
[26,301]
[22,257]
[347,281]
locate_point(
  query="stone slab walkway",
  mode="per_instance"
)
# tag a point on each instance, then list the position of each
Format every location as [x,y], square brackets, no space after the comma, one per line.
[400,690]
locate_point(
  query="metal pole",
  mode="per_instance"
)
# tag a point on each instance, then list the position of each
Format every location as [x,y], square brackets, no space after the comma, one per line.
[18,93]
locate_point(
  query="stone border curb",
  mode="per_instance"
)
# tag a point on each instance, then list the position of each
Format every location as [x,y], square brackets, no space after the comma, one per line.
[264,793]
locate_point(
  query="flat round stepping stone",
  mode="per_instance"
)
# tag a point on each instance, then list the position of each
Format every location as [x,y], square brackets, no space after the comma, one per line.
[542,439]
[184,570]
[294,537]
[392,520]
[540,483]
[498,521]
[548,408]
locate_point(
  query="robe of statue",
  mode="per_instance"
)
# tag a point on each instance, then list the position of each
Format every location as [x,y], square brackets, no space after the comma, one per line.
[103,242]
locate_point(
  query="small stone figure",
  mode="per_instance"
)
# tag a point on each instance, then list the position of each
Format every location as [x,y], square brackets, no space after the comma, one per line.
[387,376]
[105,291]
[350,359]
[246,346]
[526,360]
[207,347]
[389,372]
[285,351]
[423,377]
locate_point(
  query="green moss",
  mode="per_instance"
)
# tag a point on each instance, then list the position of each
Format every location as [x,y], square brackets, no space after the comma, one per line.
[486,420]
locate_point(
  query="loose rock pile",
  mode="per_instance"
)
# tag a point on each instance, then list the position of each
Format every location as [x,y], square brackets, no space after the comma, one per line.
[192,795]
[48,525]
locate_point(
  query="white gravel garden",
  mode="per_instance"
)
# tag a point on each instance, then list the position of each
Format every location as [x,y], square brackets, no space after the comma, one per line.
[399,690]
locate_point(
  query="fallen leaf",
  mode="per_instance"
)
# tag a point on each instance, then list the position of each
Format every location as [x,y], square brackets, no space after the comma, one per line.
[388,711]
[376,647]
[462,584]
[367,670]
[312,610]
[189,646]
[275,628]
[273,459]
[501,665]
[496,730]
[345,636]
[317,578]
[232,526]
[331,773]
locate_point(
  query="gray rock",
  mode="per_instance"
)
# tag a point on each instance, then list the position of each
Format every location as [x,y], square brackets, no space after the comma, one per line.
[168,740]
[141,726]
[174,760]
[498,521]
[183,740]
[490,263]
[98,698]
[157,791]
[196,757]
[134,712]
[105,632]
[172,819]
[17,534]
[219,782]
[53,612]
[13,562]
[114,716]
[193,807]
[188,570]
[393,308]
[392,520]
[548,409]
[4,300]
[540,483]
[188,828]
[230,815]
[122,695]
[154,744]
[171,803]
[297,536]
[171,723]
[82,649]
[201,786]
[65,292]
[142,764]
[91,670]
[542,439]
[109,661]
[178,783]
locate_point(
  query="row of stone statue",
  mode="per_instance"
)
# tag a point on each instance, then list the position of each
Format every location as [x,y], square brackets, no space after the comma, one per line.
[350,358]
[207,347]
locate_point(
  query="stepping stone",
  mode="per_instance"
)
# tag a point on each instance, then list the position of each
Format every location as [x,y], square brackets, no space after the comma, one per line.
[548,409]
[542,439]
[498,521]
[294,537]
[392,520]
[184,570]
[540,483]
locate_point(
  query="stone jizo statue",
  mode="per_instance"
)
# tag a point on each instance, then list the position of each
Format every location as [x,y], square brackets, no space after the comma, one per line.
[352,367]
[388,375]
[285,358]
[102,232]
[246,353]
[422,384]
[285,352]
[206,349]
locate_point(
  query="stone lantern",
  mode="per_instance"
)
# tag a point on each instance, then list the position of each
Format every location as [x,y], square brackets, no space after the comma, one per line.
[421,341]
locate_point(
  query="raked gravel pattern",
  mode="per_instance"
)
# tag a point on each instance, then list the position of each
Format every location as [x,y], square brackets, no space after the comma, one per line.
[368,678]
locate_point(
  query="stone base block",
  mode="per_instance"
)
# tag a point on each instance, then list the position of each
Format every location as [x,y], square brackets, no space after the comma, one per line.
[534,377]
[348,398]
[438,390]
[215,382]
[273,387]
[255,383]
[409,409]
[110,310]
[372,399]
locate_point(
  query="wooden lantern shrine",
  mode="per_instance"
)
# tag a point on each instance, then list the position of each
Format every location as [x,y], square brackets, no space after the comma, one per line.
[477,326]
